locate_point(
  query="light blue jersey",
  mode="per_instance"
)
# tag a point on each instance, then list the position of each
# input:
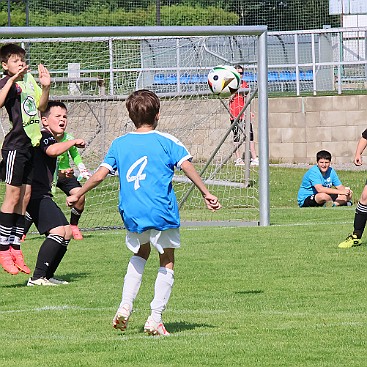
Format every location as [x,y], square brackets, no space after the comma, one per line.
[314,177]
[145,163]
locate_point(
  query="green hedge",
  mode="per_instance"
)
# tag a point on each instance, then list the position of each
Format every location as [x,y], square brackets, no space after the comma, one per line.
[180,15]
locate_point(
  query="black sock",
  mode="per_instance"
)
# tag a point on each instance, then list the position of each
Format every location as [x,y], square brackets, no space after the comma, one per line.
[360,219]
[28,222]
[57,260]
[46,255]
[75,216]
[7,220]
[17,231]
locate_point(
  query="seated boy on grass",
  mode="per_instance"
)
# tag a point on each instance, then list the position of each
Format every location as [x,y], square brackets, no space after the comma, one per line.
[321,185]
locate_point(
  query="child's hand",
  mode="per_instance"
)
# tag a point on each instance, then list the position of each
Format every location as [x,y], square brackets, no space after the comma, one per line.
[44,76]
[19,75]
[69,172]
[71,200]
[212,202]
[79,143]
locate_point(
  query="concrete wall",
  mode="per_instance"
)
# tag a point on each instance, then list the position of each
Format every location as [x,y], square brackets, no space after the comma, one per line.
[298,126]
[301,126]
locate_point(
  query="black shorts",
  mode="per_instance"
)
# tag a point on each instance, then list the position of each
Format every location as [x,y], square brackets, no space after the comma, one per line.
[46,214]
[17,167]
[66,184]
[311,202]
[237,132]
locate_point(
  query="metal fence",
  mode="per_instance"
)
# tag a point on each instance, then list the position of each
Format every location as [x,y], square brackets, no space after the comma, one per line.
[300,62]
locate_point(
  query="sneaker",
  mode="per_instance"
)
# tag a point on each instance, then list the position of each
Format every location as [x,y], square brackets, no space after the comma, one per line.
[18,259]
[7,262]
[329,204]
[39,281]
[239,162]
[57,281]
[351,241]
[77,235]
[121,318]
[155,328]
[254,162]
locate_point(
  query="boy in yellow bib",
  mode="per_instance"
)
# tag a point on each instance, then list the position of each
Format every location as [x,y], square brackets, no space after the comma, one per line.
[23,99]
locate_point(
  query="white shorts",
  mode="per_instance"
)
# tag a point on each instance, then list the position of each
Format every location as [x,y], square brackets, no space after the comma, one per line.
[170,238]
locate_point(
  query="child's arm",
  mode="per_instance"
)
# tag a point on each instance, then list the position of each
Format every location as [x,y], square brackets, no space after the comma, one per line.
[94,181]
[360,148]
[45,80]
[211,201]
[56,149]
[11,80]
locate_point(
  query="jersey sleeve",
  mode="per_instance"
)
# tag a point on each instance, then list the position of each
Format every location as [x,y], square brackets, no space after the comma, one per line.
[178,152]
[110,159]
[46,140]
[74,153]
[364,134]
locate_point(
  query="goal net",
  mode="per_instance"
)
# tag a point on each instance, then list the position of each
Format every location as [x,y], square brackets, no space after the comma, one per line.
[94,76]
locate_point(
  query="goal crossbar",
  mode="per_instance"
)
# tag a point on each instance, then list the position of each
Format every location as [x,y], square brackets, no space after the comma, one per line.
[262,72]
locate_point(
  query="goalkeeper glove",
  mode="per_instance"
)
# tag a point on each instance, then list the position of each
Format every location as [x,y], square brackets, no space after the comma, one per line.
[83,172]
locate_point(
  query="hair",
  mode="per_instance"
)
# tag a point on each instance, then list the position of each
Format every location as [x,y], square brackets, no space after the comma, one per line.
[51,104]
[143,107]
[238,66]
[323,154]
[10,49]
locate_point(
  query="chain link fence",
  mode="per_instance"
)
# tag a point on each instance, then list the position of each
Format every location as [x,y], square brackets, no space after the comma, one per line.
[278,15]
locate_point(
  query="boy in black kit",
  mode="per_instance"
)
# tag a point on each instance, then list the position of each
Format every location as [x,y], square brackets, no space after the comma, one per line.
[47,216]
[23,99]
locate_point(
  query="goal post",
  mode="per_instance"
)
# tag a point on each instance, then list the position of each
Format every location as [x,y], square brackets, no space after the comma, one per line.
[94,69]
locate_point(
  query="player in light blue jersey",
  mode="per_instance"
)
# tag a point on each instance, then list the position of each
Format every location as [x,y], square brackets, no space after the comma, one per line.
[145,160]
[321,185]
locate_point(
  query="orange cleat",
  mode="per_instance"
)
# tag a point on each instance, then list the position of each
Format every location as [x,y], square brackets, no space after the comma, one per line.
[18,259]
[7,262]
[77,235]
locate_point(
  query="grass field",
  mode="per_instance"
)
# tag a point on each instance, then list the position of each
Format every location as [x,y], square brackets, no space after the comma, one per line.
[282,295]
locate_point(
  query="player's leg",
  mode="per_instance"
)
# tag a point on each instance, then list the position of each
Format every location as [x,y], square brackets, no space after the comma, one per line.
[70,186]
[310,202]
[236,142]
[75,215]
[133,277]
[28,221]
[254,159]
[168,240]
[14,173]
[50,221]
[67,234]
[360,219]
[19,228]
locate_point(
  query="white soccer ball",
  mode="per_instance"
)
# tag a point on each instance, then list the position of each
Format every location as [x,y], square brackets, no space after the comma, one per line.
[224,80]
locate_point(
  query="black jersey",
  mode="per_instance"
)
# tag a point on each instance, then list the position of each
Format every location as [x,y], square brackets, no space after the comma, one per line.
[44,167]
[21,104]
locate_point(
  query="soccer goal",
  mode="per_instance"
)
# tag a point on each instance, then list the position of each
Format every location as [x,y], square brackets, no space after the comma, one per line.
[94,69]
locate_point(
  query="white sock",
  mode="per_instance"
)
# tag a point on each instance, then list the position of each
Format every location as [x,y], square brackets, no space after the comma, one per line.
[162,292]
[132,280]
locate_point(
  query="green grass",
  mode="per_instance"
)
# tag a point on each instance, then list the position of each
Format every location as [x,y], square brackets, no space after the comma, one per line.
[282,295]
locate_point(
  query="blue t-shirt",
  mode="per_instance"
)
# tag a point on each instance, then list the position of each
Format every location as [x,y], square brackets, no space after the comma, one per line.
[145,163]
[314,177]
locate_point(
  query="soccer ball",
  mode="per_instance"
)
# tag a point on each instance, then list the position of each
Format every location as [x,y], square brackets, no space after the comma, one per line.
[224,80]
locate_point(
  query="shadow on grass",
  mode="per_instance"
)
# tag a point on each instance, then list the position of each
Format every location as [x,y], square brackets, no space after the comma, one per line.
[250,291]
[175,327]
[69,277]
